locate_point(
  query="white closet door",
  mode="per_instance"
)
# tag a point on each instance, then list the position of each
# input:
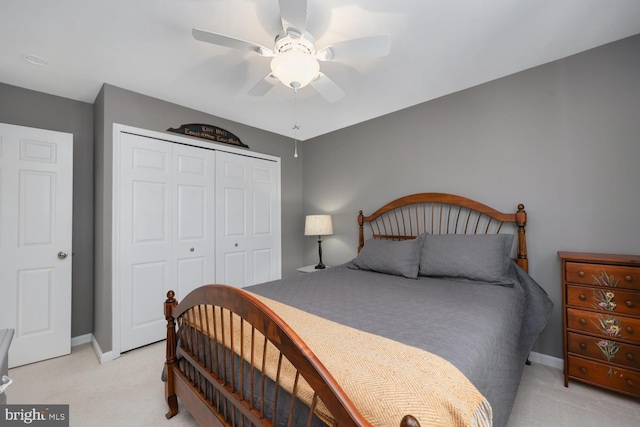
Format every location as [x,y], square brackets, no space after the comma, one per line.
[36,205]
[193,218]
[166,232]
[247,226]
[145,238]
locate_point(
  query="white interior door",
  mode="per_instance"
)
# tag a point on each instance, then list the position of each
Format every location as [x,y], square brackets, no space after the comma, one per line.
[248,220]
[166,231]
[36,205]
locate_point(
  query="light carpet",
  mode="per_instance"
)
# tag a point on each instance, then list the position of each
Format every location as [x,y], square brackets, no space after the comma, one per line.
[128,392]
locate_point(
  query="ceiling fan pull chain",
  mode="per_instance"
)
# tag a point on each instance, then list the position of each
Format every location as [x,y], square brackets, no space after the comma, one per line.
[295,123]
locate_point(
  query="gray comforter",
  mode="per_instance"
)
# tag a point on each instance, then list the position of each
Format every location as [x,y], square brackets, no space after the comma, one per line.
[485,330]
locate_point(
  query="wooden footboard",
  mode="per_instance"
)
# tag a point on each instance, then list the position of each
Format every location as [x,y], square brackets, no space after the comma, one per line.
[218,376]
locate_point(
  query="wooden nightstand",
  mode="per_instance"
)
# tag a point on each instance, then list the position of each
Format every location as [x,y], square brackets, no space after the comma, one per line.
[311,269]
[601,320]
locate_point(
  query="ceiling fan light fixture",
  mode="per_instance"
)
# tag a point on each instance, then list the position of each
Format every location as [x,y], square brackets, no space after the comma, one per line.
[295,69]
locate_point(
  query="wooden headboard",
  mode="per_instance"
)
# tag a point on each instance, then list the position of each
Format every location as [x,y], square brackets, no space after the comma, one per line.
[439,213]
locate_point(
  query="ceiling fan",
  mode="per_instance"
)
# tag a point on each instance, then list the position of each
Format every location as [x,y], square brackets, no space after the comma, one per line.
[295,58]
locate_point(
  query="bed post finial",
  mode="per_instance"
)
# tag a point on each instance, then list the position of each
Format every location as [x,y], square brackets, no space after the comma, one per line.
[360,231]
[171,326]
[521,221]
[409,421]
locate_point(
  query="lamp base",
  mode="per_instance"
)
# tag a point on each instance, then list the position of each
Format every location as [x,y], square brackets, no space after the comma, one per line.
[320,265]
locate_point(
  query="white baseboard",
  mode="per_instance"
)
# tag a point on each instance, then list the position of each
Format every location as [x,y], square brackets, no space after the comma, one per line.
[81,339]
[543,359]
[102,357]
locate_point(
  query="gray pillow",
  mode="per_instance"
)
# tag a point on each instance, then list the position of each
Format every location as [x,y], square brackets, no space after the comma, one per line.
[480,257]
[401,258]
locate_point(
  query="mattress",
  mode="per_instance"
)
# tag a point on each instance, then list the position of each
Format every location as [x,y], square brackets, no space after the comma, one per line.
[483,329]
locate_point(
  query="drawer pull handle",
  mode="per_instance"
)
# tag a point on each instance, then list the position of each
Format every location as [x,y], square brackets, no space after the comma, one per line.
[582,297]
[628,279]
[583,345]
[629,356]
[581,273]
[629,330]
[583,369]
[628,303]
[582,321]
[630,383]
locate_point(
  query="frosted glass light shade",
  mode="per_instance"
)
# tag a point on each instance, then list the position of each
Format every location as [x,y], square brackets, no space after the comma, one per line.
[294,68]
[318,225]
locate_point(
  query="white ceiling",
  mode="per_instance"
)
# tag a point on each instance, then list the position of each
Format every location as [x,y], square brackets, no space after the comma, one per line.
[437,47]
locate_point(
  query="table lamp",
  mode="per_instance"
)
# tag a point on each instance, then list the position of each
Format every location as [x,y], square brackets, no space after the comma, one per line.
[318,225]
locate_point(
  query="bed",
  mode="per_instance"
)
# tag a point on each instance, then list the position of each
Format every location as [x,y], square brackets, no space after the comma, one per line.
[430,324]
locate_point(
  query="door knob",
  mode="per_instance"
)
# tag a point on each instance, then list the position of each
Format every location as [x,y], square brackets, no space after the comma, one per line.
[62,255]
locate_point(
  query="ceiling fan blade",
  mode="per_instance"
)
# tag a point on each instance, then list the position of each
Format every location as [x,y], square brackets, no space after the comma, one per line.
[366,47]
[327,88]
[232,42]
[294,15]
[264,85]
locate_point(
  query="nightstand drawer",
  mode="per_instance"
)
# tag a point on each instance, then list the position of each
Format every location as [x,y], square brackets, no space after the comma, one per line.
[589,274]
[604,299]
[619,379]
[604,349]
[605,325]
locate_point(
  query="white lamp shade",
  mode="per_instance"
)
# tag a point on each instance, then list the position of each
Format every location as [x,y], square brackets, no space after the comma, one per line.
[318,225]
[295,69]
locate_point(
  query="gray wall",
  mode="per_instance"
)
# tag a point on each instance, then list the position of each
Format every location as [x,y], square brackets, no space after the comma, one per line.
[34,109]
[116,105]
[562,138]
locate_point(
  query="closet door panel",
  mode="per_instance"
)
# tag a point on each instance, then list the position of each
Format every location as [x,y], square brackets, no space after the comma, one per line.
[262,214]
[193,218]
[234,206]
[261,265]
[234,268]
[145,237]
[246,193]
[166,230]
[264,221]
[147,279]
[232,241]
[149,213]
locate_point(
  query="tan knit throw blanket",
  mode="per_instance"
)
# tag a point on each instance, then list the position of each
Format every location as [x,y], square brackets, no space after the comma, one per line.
[384,379]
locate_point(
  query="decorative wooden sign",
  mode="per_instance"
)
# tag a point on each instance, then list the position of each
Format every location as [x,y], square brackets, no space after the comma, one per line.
[210,132]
